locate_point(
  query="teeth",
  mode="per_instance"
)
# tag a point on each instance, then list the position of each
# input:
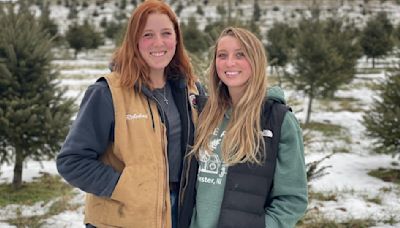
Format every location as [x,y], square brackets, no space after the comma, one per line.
[232,73]
[161,53]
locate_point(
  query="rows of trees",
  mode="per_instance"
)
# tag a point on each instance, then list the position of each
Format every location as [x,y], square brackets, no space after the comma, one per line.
[322,53]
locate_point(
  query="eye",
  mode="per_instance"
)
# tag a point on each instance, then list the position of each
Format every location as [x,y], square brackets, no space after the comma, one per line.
[240,55]
[148,35]
[167,33]
[221,55]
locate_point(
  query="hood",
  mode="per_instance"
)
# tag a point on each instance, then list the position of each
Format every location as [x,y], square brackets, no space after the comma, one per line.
[276,93]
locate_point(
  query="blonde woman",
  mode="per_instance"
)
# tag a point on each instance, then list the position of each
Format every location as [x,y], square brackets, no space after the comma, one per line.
[249,169]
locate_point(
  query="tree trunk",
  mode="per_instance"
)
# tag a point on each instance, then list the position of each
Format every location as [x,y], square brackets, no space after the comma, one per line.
[310,99]
[19,159]
[279,77]
[373,62]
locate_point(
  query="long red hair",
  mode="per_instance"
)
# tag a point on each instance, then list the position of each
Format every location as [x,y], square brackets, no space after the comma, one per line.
[127,59]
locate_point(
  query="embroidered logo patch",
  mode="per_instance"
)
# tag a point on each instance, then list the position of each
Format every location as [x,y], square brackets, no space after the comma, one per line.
[135,116]
[192,100]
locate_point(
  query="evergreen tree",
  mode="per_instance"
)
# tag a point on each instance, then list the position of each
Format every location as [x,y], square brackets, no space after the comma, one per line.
[199,10]
[221,10]
[73,11]
[194,39]
[212,30]
[34,113]
[122,6]
[382,121]
[179,8]
[376,38]
[46,22]
[396,35]
[325,58]
[281,42]
[256,11]
[82,37]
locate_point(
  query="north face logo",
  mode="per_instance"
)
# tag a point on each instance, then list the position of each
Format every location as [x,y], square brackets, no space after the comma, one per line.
[267,133]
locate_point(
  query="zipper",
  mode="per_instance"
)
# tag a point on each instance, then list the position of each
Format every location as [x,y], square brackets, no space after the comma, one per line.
[166,166]
[182,188]
[165,185]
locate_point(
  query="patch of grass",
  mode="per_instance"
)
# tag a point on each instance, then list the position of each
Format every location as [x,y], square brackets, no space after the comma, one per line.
[342,149]
[57,207]
[338,104]
[79,76]
[328,129]
[369,70]
[391,220]
[88,66]
[375,200]
[314,219]
[44,188]
[388,175]
[322,196]
[385,189]
[33,221]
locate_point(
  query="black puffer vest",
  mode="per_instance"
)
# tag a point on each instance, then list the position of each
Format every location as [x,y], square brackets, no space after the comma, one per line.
[247,186]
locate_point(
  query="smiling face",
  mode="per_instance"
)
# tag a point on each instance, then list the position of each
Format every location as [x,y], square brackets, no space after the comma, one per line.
[158,42]
[232,65]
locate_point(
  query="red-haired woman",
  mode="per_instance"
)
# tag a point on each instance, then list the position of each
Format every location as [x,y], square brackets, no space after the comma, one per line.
[126,146]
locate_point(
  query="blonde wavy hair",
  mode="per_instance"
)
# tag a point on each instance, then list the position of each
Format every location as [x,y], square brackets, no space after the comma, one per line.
[242,141]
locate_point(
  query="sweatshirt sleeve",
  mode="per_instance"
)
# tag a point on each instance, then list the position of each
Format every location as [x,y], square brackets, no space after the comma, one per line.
[92,131]
[289,197]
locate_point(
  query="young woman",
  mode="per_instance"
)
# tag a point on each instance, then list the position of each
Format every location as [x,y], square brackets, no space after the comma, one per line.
[126,145]
[247,175]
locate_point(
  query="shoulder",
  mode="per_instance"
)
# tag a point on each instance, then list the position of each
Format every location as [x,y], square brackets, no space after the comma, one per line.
[97,93]
[290,122]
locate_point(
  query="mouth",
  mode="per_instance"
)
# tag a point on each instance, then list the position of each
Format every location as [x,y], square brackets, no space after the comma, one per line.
[232,73]
[158,53]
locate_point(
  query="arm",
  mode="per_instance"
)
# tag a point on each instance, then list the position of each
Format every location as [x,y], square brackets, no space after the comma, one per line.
[92,131]
[289,192]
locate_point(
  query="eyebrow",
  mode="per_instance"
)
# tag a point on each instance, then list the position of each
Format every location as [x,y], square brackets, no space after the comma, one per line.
[240,49]
[163,29]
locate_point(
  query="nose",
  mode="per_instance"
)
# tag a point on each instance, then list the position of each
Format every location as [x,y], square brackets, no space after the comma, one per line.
[230,61]
[158,41]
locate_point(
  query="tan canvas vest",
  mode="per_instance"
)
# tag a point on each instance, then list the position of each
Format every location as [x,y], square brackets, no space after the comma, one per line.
[141,197]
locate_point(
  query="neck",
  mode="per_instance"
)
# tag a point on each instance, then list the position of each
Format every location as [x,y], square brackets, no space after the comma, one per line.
[157,78]
[235,96]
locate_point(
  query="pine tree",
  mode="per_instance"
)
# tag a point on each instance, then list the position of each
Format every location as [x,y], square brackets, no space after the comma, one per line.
[376,38]
[325,57]
[256,11]
[34,113]
[80,37]
[281,42]
[194,39]
[46,22]
[382,121]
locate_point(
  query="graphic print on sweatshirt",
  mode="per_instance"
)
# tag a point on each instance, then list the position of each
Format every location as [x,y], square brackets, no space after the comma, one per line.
[212,169]
[211,179]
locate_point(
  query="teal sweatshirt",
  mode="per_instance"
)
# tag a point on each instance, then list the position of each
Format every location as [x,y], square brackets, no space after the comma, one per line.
[289,192]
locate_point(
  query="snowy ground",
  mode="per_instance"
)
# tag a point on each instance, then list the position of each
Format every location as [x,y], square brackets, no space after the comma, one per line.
[346,177]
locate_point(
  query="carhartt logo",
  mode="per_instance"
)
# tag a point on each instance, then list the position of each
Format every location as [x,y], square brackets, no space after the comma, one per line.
[136,116]
[267,133]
